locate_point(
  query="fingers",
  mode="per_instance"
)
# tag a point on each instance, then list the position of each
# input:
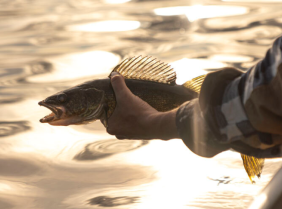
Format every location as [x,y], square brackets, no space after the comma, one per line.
[127,137]
[121,137]
[119,86]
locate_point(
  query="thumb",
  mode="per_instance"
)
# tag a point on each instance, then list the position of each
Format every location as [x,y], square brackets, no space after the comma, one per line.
[119,86]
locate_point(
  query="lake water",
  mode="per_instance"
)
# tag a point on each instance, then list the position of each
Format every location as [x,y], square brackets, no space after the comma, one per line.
[47,46]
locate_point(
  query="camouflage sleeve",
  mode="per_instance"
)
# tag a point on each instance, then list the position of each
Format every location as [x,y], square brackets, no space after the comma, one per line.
[246,107]
[262,90]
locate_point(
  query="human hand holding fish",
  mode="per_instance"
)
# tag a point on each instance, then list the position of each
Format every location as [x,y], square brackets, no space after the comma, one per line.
[134,118]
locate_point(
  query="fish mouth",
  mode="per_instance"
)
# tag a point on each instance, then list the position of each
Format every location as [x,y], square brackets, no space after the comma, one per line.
[54,116]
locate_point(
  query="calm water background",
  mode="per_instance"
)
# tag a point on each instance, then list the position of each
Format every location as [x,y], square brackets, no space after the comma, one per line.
[47,46]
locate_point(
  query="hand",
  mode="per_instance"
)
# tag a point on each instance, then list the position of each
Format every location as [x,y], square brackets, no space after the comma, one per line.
[133,118]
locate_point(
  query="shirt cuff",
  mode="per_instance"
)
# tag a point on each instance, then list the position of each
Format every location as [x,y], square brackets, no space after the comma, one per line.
[194,132]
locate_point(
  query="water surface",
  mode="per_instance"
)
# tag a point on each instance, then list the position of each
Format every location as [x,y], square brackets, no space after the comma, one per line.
[47,46]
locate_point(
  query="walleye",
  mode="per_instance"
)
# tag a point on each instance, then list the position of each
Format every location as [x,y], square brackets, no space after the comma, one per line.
[148,78]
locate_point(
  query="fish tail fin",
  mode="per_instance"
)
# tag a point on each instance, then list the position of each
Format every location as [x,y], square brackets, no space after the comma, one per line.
[195,84]
[253,166]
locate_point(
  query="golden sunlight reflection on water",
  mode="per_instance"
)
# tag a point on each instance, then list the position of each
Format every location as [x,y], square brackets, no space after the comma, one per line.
[116,1]
[52,45]
[177,184]
[18,188]
[187,69]
[258,1]
[172,174]
[173,179]
[162,174]
[79,65]
[231,58]
[106,26]
[196,12]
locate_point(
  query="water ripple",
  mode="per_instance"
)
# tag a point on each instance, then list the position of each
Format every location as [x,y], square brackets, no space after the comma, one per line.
[5,205]
[14,76]
[196,12]
[11,128]
[40,26]
[105,148]
[228,199]
[10,99]
[40,67]
[15,167]
[106,26]
[105,201]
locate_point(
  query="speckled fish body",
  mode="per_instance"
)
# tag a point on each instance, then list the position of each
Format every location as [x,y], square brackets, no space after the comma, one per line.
[95,100]
[161,96]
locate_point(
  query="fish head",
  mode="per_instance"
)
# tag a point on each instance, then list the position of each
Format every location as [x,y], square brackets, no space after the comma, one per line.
[74,106]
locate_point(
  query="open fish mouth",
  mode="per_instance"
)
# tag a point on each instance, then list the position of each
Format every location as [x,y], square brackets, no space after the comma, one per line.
[54,116]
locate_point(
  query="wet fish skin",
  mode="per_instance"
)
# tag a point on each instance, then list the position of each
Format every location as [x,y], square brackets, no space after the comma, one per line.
[82,100]
[79,103]
[160,96]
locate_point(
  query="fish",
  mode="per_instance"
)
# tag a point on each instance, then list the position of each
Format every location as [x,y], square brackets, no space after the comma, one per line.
[148,78]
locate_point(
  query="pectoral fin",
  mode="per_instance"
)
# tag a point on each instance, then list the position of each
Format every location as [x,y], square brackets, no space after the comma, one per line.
[95,114]
[103,117]
[253,166]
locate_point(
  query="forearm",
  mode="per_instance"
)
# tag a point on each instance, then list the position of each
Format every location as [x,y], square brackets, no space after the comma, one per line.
[162,125]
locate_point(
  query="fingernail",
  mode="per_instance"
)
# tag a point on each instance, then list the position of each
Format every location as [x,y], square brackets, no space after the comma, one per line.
[113,74]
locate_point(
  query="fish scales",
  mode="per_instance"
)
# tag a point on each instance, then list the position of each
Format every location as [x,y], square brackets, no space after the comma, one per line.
[161,96]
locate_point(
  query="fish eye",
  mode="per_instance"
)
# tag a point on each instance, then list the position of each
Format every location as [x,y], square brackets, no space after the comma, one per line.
[62,98]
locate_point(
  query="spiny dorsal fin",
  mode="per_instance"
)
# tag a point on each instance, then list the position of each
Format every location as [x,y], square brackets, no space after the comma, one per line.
[253,166]
[195,84]
[146,68]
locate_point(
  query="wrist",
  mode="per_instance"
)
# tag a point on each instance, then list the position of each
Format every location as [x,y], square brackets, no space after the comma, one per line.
[163,125]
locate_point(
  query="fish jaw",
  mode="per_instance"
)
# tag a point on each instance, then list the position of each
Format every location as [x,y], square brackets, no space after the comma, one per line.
[81,107]
[74,120]
[57,115]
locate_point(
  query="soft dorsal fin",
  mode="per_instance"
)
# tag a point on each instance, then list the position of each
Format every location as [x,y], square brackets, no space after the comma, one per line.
[146,68]
[195,84]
